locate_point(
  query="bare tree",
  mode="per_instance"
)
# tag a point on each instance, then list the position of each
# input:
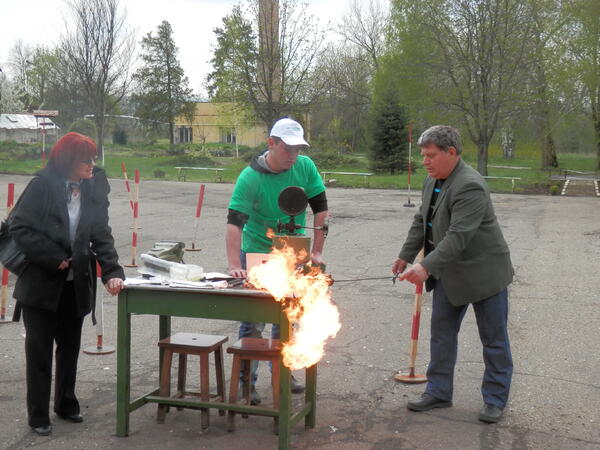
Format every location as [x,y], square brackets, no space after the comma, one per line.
[266,61]
[583,57]
[98,52]
[549,22]
[10,96]
[364,26]
[345,71]
[479,56]
[19,62]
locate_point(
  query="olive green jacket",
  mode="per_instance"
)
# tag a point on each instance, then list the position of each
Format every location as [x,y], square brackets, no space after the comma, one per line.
[471,257]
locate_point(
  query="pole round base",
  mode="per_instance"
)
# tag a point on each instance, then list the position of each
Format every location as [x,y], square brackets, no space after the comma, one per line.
[95,350]
[410,379]
[193,249]
[409,205]
[130,265]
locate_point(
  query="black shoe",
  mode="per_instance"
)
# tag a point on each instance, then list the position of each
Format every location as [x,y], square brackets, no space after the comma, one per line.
[75,418]
[490,413]
[427,402]
[296,386]
[43,430]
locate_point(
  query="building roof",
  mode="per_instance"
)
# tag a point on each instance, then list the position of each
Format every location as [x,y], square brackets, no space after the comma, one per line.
[25,121]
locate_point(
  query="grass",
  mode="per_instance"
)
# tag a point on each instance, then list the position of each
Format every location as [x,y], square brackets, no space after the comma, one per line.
[160,166]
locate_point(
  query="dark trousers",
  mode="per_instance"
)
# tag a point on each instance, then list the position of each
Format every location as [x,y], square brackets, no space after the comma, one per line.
[43,328]
[492,317]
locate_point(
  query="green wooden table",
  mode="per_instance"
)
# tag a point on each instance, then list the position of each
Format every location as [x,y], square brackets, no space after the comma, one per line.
[226,304]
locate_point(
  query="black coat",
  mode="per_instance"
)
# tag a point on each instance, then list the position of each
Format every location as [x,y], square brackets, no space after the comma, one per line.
[40,227]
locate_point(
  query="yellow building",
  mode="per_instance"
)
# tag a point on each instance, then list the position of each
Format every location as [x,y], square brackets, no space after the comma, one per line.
[220,122]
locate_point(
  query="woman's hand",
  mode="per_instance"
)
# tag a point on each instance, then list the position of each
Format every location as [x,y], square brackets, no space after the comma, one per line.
[65,264]
[114,286]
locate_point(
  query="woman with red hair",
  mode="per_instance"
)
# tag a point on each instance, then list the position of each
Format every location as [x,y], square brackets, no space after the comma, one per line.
[61,225]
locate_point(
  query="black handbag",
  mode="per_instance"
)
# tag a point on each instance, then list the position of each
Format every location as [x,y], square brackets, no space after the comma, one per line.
[11,256]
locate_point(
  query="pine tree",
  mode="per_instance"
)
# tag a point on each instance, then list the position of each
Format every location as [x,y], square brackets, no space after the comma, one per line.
[162,87]
[389,135]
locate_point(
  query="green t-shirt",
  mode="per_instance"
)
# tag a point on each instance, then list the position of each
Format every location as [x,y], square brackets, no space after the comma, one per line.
[256,194]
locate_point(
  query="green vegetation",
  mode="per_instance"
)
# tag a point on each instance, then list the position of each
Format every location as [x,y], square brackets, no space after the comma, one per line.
[158,161]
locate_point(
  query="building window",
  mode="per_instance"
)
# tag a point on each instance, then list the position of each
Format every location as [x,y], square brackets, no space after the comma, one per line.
[185,135]
[228,136]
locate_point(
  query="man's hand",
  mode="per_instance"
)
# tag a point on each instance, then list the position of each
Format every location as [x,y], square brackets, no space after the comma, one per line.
[114,286]
[317,258]
[416,274]
[399,266]
[237,272]
[64,264]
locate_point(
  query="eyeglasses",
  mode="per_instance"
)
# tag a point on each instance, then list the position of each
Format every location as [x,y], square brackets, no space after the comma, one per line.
[89,161]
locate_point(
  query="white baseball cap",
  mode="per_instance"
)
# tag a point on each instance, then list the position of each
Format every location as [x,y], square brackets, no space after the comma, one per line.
[289,131]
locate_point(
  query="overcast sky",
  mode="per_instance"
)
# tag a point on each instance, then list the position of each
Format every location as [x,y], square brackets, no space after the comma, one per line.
[39,22]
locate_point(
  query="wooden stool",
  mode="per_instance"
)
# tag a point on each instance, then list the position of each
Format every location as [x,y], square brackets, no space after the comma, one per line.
[191,344]
[244,352]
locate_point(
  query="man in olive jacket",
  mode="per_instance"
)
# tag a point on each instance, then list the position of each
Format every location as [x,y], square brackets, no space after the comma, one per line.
[466,261]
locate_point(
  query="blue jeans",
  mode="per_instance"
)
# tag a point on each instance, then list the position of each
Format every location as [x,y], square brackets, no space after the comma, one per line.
[255,330]
[492,317]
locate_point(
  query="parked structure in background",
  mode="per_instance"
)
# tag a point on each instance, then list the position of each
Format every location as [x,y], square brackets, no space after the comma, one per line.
[27,129]
[219,122]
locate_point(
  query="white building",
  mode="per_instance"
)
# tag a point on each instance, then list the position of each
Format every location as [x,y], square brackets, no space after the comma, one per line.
[26,128]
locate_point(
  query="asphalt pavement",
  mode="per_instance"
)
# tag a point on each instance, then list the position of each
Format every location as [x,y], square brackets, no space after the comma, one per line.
[554,331]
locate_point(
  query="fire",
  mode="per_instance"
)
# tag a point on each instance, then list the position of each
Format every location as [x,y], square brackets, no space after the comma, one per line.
[315,316]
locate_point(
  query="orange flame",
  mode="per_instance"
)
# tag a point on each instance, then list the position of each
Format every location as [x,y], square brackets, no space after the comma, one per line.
[315,316]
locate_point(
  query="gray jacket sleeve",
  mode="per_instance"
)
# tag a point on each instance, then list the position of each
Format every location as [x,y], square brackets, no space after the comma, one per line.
[415,239]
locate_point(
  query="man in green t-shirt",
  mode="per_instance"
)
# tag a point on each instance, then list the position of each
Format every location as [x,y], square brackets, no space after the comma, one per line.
[254,209]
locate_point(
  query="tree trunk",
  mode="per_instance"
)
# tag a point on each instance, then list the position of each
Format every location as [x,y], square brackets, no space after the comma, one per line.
[549,158]
[482,158]
[508,143]
[597,126]
[171,133]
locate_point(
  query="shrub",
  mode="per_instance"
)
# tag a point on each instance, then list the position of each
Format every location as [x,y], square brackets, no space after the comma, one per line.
[194,160]
[86,127]
[159,173]
[333,160]
[20,152]
[120,136]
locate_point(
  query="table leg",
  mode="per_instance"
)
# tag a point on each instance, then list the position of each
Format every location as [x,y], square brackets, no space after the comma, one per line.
[123,365]
[220,374]
[285,394]
[311,396]
[204,390]
[165,385]
[164,331]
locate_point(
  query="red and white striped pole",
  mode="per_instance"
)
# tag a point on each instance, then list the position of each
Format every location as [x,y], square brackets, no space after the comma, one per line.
[5,273]
[99,348]
[127,184]
[413,378]
[136,197]
[197,220]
